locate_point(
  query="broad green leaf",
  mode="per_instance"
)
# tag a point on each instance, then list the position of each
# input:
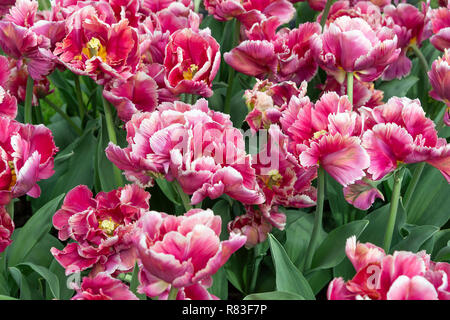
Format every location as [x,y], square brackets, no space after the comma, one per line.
[22,283]
[398,87]
[168,190]
[442,238]
[340,208]
[430,201]
[274,295]
[33,231]
[2,297]
[288,277]
[378,219]
[443,254]
[50,278]
[219,287]
[234,271]
[40,255]
[65,292]
[222,209]
[135,283]
[318,279]
[416,237]
[332,250]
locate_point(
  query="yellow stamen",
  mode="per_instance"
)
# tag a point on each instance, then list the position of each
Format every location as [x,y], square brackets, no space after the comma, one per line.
[190,73]
[13,175]
[108,226]
[318,134]
[94,48]
[273,178]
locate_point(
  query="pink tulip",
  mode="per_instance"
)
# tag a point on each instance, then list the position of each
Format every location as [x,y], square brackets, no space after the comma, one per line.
[258,10]
[224,10]
[440,20]
[8,103]
[181,251]
[148,6]
[103,287]
[362,194]
[6,229]
[440,78]
[138,93]
[282,56]
[252,225]
[26,153]
[326,134]
[399,132]
[191,61]
[351,45]
[97,49]
[400,276]
[102,228]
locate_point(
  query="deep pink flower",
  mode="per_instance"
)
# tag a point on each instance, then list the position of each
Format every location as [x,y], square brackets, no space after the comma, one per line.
[440,78]
[138,93]
[177,17]
[267,100]
[282,56]
[192,60]
[258,10]
[97,49]
[20,41]
[8,103]
[102,228]
[224,10]
[440,21]
[362,194]
[326,134]
[26,156]
[6,229]
[103,287]
[400,276]
[399,132]
[192,144]
[181,251]
[149,6]
[412,27]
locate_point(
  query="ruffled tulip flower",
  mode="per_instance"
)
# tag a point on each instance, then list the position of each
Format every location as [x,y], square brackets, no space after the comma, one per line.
[440,21]
[252,225]
[192,144]
[401,276]
[26,157]
[259,10]
[362,194]
[8,103]
[102,228]
[176,17]
[97,49]
[224,10]
[400,133]
[192,60]
[412,27]
[282,56]
[103,287]
[440,78]
[181,251]
[267,100]
[138,93]
[6,229]
[149,6]
[20,39]
[326,134]
[350,45]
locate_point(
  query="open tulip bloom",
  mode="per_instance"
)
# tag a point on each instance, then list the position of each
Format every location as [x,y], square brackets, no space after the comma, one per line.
[224,149]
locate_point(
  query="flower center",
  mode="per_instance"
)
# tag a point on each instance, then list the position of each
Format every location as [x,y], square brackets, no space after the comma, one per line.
[190,72]
[108,226]
[273,178]
[13,175]
[94,48]
[318,134]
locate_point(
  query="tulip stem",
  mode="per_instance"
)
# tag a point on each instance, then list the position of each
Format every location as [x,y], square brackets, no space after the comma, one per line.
[424,79]
[10,209]
[184,197]
[412,185]
[79,95]
[350,87]
[64,115]
[398,177]
[317,218]
[172,293]
[325,12]
[112,137]
[231,71]
[28,99]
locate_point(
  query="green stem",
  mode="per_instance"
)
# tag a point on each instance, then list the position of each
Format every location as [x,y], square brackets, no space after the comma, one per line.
[112,137]
[350,87]
[196,5]
[79,95]
[64,115]
[412,185]
[10,209]
[184,197]
[398,177]
[231,71]
[424,79]
[325,12]
[28,100]
[172,293]
[317,218]
[257,258]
